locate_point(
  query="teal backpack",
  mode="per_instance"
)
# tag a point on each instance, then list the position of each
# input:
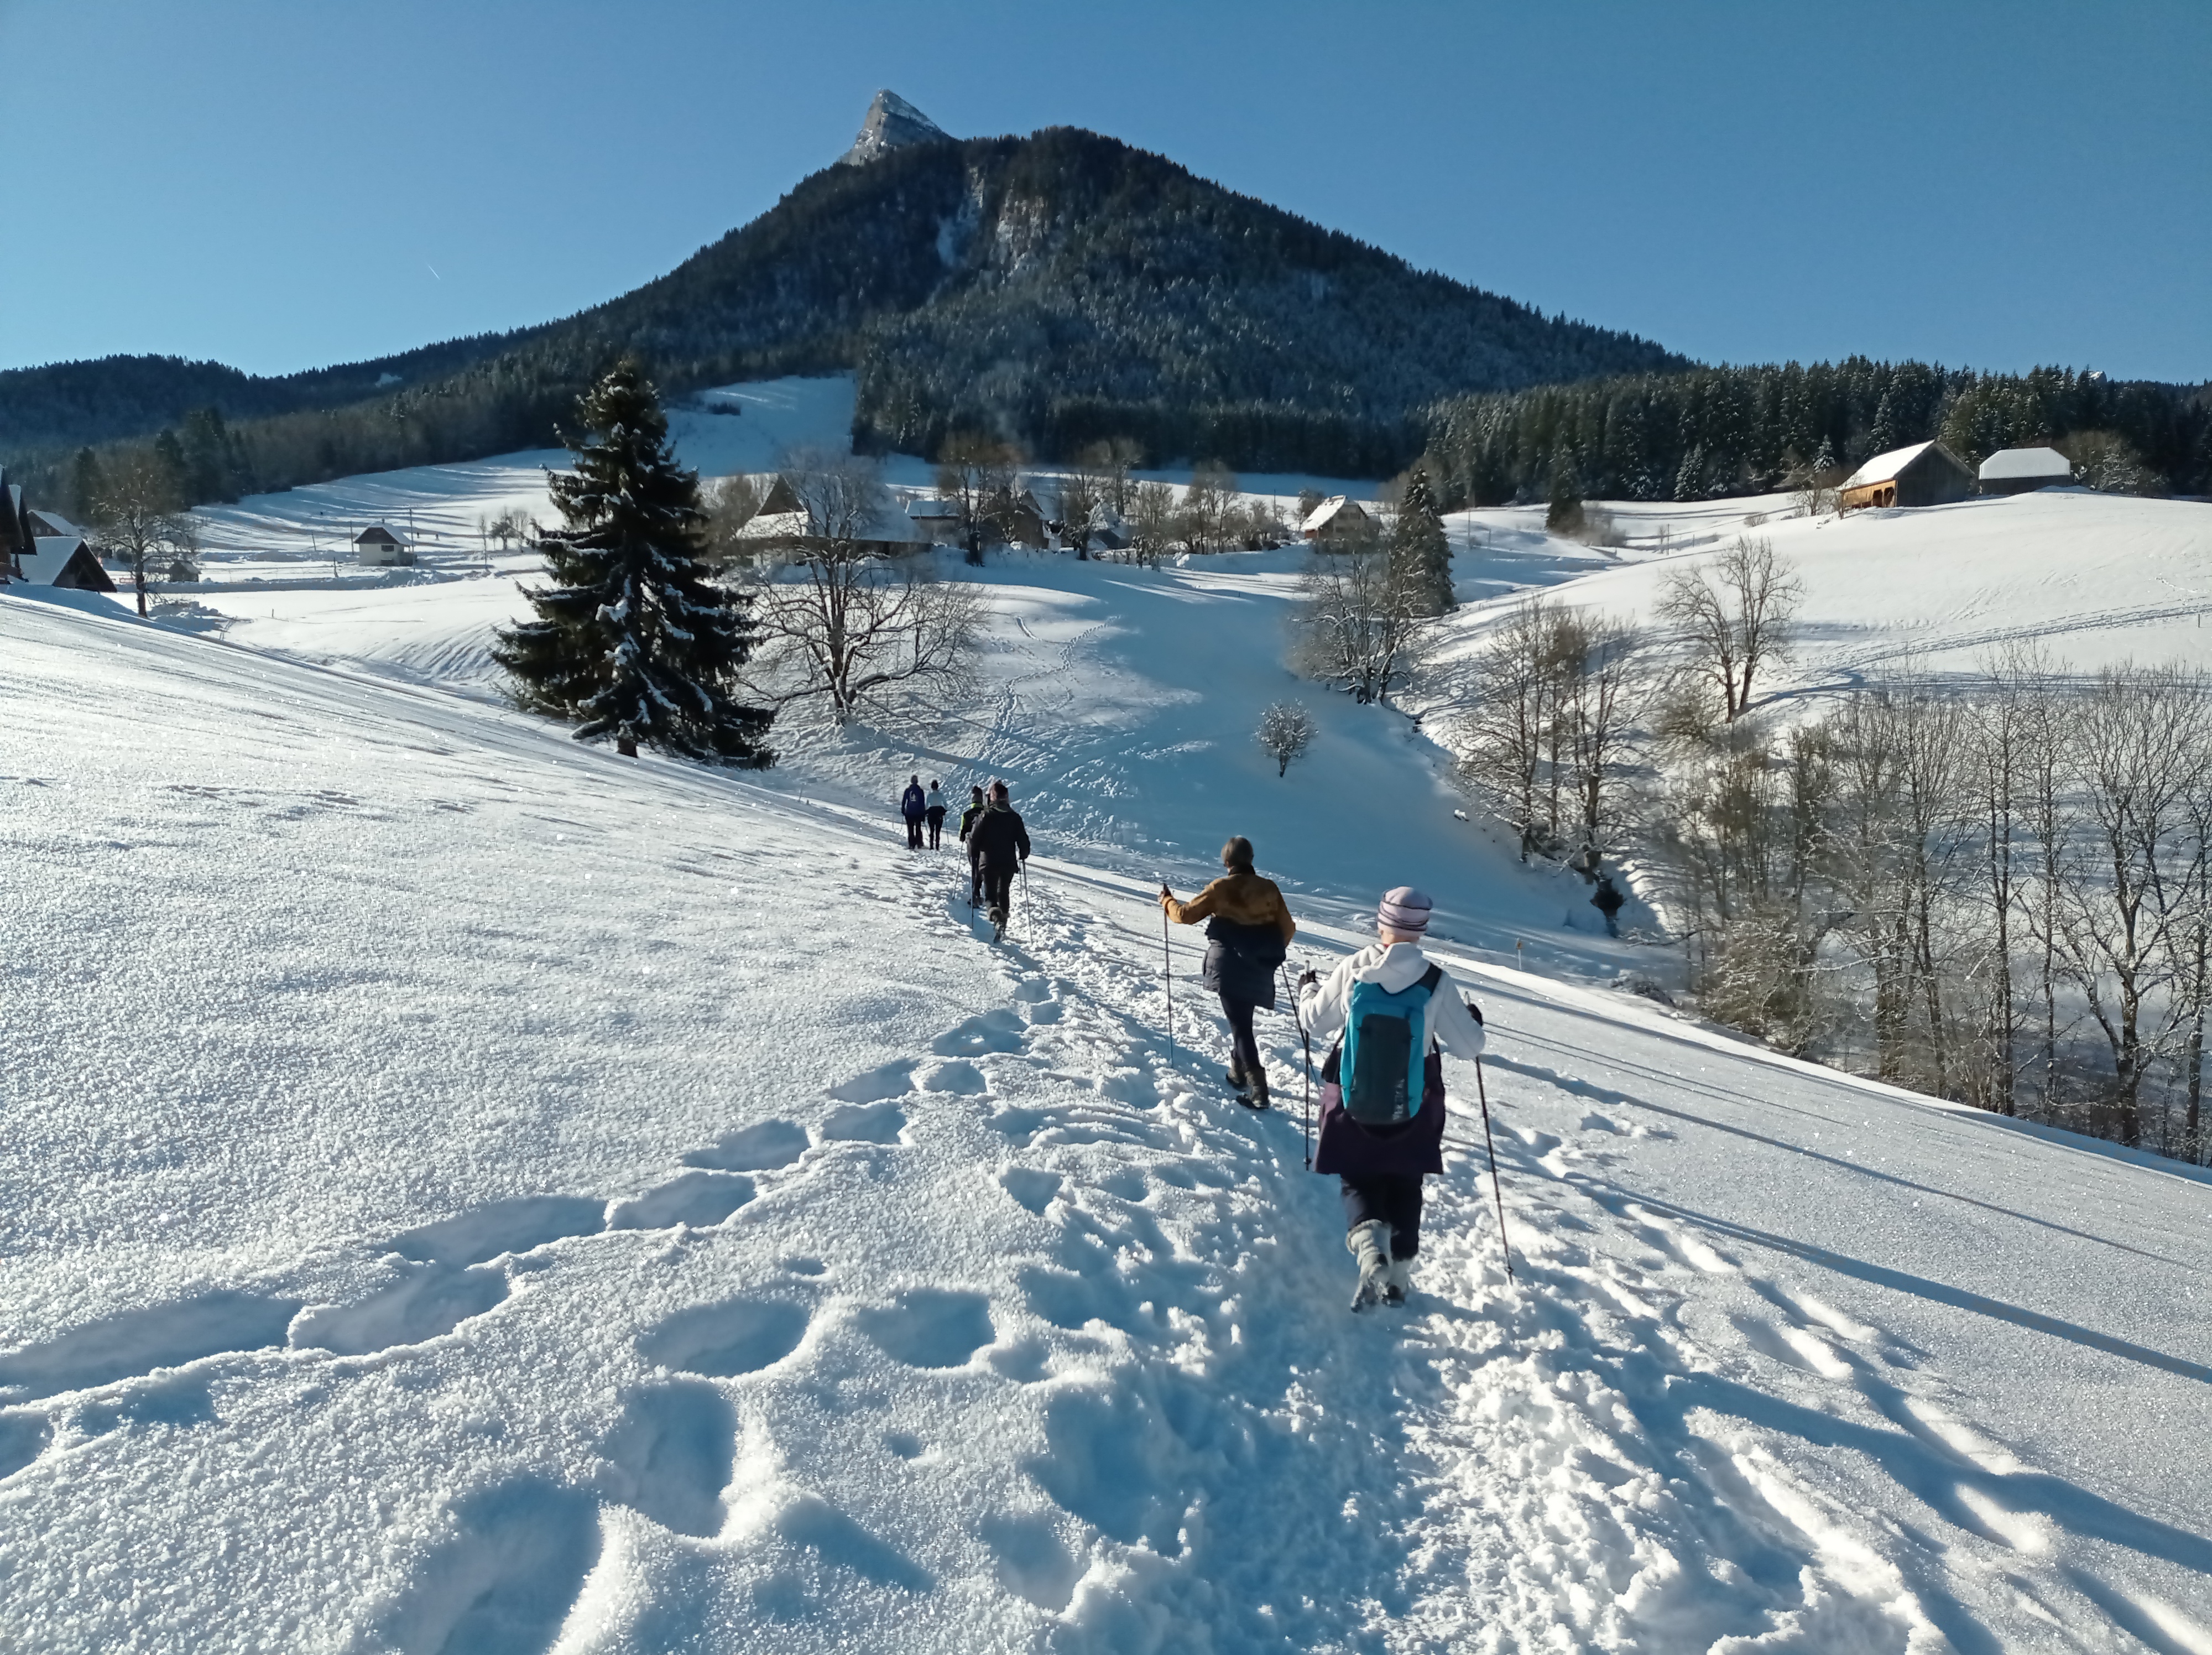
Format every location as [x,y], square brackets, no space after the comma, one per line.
[1381,1034]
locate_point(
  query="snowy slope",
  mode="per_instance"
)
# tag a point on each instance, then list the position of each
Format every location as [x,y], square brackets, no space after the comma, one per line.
[2096,579]
[471,1193]
[439,508]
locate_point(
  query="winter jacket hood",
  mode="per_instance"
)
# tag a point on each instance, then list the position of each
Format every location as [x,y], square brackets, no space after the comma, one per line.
[1395,967]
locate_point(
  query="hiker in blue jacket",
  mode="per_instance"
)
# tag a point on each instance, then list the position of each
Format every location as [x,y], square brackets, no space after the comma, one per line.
[914,805]
[1383,1096]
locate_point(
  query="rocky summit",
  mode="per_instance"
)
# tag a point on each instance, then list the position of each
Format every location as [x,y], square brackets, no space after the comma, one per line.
[891,124]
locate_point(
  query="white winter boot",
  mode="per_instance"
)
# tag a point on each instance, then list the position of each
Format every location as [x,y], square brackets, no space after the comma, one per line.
[1369,1243]
[1401,1282]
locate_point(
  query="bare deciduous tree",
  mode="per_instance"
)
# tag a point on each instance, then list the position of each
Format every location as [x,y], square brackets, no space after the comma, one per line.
[848,628]
[978,474]
[1556,699]
[1155,522]
[1734,611]
[1360,626]
[1285,731]
[140,517]
[1210,509]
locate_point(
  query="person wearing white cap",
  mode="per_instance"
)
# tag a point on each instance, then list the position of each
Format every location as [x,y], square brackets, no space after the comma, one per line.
[1382,1093]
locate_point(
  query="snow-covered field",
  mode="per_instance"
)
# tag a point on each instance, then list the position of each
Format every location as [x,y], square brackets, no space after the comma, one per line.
[468,1192]
[2095,579]
[276,538]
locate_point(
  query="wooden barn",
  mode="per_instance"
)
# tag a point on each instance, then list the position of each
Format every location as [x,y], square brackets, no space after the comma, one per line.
[2021,471]
[1924,474]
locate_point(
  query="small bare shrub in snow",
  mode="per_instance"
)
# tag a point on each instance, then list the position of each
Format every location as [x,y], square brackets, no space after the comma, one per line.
[1287,730]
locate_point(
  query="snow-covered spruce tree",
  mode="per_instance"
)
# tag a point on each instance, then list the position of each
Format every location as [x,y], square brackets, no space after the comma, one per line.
[1420,545]
[633,640]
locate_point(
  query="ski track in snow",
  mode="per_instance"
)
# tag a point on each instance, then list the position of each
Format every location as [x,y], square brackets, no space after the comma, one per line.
[421,1247]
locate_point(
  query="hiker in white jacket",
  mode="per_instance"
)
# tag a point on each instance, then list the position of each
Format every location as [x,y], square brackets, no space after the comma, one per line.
[1381,1166]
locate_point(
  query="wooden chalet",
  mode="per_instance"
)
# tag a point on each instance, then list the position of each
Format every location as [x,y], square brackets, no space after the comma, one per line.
[2022,471]
[1924,474]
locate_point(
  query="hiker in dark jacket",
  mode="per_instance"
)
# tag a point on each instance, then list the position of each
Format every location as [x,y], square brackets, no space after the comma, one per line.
[936,813]
[1381,1165]
[1610,902]
[1000,844]
[968,818]
[913,804]
[1248,930]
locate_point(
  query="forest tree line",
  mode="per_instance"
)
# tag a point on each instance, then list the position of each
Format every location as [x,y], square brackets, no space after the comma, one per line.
[1718,432]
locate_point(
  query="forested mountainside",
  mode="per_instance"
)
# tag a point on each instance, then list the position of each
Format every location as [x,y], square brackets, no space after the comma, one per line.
[1049,290]
[1718,431]
[66,405]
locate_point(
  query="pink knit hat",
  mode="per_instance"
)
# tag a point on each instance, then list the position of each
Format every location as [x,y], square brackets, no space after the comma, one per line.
[1404,910]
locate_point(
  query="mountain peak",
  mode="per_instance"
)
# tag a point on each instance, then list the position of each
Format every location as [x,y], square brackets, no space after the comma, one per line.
[891,124]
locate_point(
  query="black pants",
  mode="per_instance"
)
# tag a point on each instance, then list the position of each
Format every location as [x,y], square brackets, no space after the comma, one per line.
[913,833]
[974,880]
[999,884]
[1242,1043]
[935,825]
[1393,1197]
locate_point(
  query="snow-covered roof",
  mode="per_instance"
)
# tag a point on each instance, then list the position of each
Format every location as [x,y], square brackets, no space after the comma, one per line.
[376,535]
[933,510]
[1882,467]
[774,526]
[44,522]
[2009,463]
[50,555]
[1328,511]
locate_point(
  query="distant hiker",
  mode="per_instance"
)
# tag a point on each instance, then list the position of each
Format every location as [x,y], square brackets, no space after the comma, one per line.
[968,818]
[912,806]
[1608,902]
[1248,929]
[1382,1106]
[936,813]
[1000,844]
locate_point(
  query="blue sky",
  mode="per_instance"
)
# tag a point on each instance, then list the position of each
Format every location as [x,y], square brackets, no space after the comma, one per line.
[281,184]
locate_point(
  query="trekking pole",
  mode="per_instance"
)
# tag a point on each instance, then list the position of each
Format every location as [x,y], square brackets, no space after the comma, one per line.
[1167,969]
[1483,1094]
[1305,1110]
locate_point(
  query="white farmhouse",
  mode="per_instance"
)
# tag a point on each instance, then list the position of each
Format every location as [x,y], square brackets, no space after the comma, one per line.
[1340,517]
[378,547]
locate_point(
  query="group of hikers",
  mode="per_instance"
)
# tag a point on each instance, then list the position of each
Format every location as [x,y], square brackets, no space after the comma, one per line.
[1394,1013]
[998,843]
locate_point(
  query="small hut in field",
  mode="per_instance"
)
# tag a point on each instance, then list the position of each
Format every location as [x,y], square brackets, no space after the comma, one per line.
[2022,471]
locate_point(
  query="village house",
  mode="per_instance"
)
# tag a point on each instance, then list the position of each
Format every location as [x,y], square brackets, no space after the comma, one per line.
[378,547]
[51,550]
[1337,519]
[2021,470]
[936,522]
[782,524]
[1923,474]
